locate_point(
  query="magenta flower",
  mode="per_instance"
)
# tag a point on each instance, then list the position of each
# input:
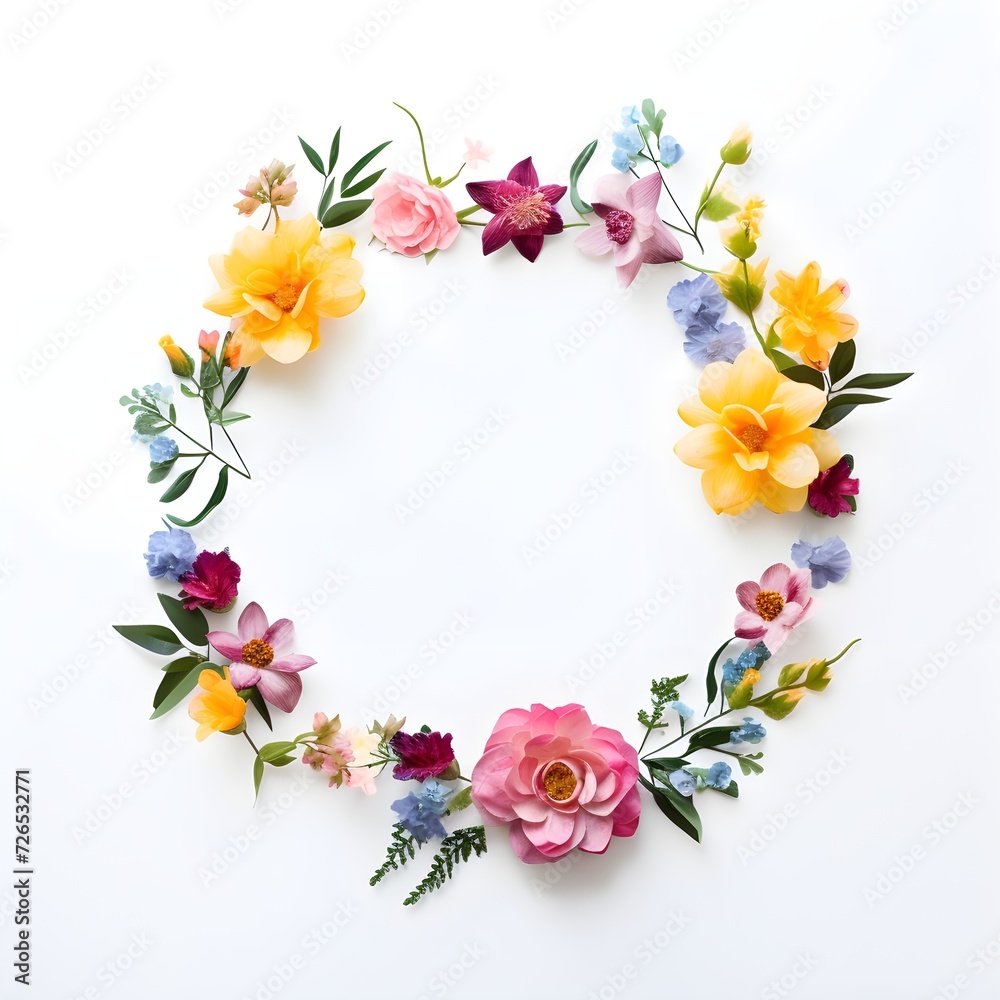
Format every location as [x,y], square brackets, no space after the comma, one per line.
[524,213]
[773,607]
[260,657]
[632,226]
[828,490]
[211,582]
[421,755]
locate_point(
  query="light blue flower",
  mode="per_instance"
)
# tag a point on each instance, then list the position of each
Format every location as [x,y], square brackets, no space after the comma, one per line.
[417,819]
[697,302]
[628,139]
[682,710]
[719,775]
[670,150]
[170,553]
[434,796]
[630,114]
[620,160]
[163,449]
[718,343]
[683,781]
[829,561]
[163,393]
[749,732]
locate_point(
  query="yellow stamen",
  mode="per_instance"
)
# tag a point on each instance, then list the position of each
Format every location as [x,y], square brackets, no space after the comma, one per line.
[753,437]
[559,781]
[285,297]
[769,604]
[258,653]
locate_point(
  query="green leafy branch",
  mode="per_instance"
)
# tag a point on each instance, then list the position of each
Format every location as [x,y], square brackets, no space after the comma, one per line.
[455,848]
[339,213]
[400,851]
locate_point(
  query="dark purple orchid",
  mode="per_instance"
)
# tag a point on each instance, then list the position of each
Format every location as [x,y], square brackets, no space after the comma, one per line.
[829,490]
[524,212]
[421,755]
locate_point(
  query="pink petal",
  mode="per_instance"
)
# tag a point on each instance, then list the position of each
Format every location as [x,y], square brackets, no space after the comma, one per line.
[775,578]
[498,232]
[594,240]
[242,675]
[228,644]
[660,247]
[574,723]
[528,246]
[524,848]
[775,636]
[292,663]
[643,197]
[280,635]
[611,191]
[596,834]
[252,623]
[553,193]
[798,587]
[488,791]
[746,594]
[626,816]
[750,626]
[628,271]
[281,690]
[523,173]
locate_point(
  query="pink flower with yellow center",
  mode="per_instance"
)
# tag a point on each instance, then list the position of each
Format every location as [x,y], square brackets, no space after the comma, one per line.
[278,285]
[809,324]
[524,212]
[752,436]
[262,658]
[773,607]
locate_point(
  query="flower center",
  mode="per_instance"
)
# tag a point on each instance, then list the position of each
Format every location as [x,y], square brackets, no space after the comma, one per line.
[528,211]
[559,781]
[285,297]
[619,225]
[753,437]
[769,604]
[258,653]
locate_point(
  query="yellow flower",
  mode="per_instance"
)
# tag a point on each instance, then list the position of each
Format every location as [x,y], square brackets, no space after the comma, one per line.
[734,286]
[752,436]
[750,215]
[276,286]
[219,708]
[809,324]
[181,363]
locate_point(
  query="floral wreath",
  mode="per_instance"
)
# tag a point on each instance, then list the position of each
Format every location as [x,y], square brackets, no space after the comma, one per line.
[759,432]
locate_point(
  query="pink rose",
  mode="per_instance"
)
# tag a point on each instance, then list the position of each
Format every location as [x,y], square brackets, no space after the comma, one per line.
[412,218]
[559,781]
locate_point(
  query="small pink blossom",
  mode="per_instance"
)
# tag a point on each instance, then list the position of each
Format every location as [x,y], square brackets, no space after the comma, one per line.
[413,218]
[476,152]
[773,607]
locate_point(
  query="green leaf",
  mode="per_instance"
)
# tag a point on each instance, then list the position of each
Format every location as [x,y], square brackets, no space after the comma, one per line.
[257,700]
[711,683]
[782,361]
[173,689]
[314,158]
[348,178]
[679,809]
[877,380]
[732,789]
[155,638]
[461,800]
[147,422]
[653,119]
[579,164]
[193,625]
[840,406]
[172,413]
[258,773]
[790,673]
[234,386]
[184,664]
[234,418]
[363,185]
[713,737]
[328,192]
[666,764]
[805,374]
[190,393]
[345,211]
[778,704]
[283,761]
[748,766]
[272,751]
[125,400]
[455,848]
[214,500]
[334,152]
[842,361]
[180,485]
[717,208]
[158,471]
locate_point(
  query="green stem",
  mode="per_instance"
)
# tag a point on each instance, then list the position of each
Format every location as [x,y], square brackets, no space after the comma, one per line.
[843,651]
[570,225]
[704,270]
[666,188]
[708,194]
[423,148]
[471,222]
[466,212]
[233,445]
[690,732]
[208,451]
[753,323]
[251,742]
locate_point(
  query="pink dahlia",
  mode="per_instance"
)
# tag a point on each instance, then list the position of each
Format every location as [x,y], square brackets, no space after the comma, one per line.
[559,781]
[262,658]
[773,607]
[632,226]
[211,582]
[828,490]
[524,212]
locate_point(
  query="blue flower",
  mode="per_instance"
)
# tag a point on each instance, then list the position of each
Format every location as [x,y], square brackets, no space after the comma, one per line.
[620,160]
[828,561]
[719,343]
[719,775]
[163,449]
[434,796]
[670,150]
[630,114]
[417,818]
[683,781]
[171,553]
[628,139]
[682,710]
[163,393]
[697,302]
[749,732]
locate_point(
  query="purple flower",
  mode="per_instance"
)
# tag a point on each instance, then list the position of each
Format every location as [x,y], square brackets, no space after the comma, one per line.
[829,561]
[419,817]
[697,302]
[421,755]
[170,553]
[716,343]
[524,212]
[829,491]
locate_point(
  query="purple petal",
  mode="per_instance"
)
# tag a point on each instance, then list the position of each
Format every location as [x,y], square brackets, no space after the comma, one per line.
[280,689]
[529,247]
[660,247]
[228,644]
[292,663]
[280,635]
[594,240]
[523,173]
[553,192]
[242,675]
[498,232]
[488,194]
[553,225]
[252,623]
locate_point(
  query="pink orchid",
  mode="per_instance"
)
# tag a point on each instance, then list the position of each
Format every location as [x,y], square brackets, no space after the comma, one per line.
[524,212]
[260,657]
[632,226]
[476,153]
[775,606]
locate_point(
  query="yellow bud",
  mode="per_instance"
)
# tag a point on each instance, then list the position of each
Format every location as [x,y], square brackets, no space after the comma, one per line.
[737,150]
[181,363]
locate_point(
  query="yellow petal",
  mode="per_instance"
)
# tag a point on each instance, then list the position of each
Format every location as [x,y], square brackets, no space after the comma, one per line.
[793,465]
[694,412]
[752,461]
[752,380]
[289,343]
[827,450]
[264,306]
[729,489]
[780,498]
[800,405]
[706,446]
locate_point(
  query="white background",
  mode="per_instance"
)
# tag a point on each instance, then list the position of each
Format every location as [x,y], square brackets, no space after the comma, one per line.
[846,105]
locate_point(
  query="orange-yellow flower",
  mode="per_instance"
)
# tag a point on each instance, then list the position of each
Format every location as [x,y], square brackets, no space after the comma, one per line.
[181,363]
[276,286]
[809,323]
[752,436]
[217,708]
